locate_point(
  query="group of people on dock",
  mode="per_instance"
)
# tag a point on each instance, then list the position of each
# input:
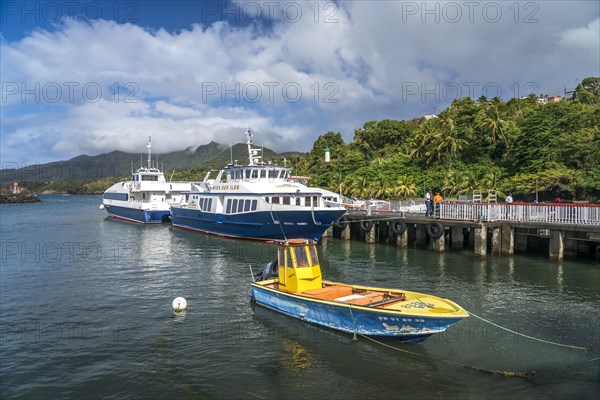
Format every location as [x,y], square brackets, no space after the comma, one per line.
[432,203]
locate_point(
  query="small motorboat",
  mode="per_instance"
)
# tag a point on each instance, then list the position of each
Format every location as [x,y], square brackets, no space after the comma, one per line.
[293,285]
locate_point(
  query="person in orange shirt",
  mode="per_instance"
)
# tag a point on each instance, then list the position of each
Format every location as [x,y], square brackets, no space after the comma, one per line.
[437,199]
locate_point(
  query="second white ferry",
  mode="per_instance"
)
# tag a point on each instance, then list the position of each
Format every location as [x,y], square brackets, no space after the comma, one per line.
[146,198]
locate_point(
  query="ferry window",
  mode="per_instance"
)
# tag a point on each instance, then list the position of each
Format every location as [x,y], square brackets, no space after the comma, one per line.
[223,177]
[209,205]
[267,199]
[254,174]
[301,259]
[297,201]
[247,173]
[144,196]
[286,200]
[272,174]
[276,200]
[149,178]
[282,259]
[240,206]
[263,173]
[116,196]
[234,205]
[315,201]
[314,259]
[228,206]
[307,201]
[247,205]
[253,207]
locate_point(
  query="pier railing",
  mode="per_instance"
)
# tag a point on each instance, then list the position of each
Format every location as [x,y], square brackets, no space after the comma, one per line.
[554,213]
[521,212]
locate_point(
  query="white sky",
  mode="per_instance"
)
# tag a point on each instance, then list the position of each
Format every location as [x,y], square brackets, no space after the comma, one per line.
[290,79]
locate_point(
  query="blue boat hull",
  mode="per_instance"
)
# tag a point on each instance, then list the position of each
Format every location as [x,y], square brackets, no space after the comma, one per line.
[352,319]
[261,225]
[135,215]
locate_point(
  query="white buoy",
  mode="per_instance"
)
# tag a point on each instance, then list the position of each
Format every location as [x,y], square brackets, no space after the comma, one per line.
[179,304]
[101,206]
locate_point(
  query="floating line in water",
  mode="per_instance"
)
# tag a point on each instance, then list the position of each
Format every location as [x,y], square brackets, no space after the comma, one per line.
[529,337]
[506,374]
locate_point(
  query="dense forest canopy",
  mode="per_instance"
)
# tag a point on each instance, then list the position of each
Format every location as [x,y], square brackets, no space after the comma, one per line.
[520,146]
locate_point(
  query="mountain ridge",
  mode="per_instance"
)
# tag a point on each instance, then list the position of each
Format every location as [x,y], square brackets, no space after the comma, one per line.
[117,163]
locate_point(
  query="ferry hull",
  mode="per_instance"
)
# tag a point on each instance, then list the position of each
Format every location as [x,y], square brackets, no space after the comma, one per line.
[398,326]
[136,215]
[261,225]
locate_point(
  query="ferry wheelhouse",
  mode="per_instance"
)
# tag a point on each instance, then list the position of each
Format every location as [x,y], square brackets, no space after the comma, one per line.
[255,201]
[146,198]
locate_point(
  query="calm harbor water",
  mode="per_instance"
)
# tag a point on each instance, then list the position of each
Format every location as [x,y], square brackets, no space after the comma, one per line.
[85,312]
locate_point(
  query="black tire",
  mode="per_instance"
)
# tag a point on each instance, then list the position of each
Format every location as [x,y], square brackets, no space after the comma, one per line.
[366,225]
[435,229]
[398,227]
[341,223]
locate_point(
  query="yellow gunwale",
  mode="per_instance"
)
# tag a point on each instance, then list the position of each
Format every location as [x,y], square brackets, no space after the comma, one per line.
[458,313]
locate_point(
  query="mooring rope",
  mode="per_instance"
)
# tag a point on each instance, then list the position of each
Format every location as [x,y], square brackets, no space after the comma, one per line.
[529,337]
[506,374]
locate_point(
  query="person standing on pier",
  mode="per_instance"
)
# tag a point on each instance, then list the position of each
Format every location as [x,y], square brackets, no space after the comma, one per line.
[437,199]
[428,206]
[509,198]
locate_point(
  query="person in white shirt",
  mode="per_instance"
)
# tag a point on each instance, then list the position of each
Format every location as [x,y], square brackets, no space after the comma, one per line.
[509,198]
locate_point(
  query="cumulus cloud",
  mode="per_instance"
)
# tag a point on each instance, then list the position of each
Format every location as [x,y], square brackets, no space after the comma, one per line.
[85,87]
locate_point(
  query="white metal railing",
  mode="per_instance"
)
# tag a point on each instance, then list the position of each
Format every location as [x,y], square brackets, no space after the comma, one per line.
[544,213]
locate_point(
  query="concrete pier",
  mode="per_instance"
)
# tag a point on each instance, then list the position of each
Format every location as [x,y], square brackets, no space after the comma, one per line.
[480,241]
[557,245]
[508,241]
[507,238]
[439,244]
[371,236]
[496,241]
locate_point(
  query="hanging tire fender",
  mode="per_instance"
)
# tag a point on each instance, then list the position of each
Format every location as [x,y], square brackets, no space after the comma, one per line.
[366,225]
[435,229]
[398,227]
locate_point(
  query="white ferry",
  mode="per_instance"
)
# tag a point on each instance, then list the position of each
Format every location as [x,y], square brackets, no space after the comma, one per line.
[255,201]
[146,197]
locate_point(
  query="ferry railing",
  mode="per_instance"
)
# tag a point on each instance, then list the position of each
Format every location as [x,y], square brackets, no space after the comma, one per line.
[573,214]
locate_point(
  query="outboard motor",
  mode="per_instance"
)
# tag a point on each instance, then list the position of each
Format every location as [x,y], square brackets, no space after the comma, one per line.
[269,271]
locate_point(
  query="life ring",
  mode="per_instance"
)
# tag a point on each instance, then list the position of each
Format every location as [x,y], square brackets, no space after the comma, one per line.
[341,223]
[366,225]
[398,227]
[435,229]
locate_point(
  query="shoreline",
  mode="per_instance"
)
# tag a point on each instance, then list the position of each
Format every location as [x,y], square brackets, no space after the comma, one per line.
[18,198]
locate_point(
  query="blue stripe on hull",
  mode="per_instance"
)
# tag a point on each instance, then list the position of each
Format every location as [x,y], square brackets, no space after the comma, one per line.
[135,215]
[362,320]
[257,225]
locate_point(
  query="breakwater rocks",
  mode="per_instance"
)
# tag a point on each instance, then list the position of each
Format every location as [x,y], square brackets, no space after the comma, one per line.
[17,198]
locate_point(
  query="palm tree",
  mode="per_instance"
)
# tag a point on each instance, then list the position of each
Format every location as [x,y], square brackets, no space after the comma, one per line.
[405,186]
[381,187]
[360,187]
[495,124]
